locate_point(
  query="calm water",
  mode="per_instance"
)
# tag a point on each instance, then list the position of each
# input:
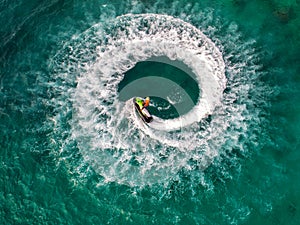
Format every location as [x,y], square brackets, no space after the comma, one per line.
[225,74]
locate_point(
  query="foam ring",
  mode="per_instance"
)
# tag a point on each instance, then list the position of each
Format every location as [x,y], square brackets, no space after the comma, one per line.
[111,143]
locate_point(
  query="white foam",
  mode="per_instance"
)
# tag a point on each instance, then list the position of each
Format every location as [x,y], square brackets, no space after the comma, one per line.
[205,61]
[101,121]
[108,132]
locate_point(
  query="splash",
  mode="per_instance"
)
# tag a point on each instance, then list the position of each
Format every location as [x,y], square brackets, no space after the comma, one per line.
[108,133]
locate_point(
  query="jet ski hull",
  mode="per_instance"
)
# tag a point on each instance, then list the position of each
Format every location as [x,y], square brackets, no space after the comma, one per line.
[143,113]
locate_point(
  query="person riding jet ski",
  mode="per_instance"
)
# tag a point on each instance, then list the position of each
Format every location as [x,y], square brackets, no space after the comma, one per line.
[140,105]
[143,103]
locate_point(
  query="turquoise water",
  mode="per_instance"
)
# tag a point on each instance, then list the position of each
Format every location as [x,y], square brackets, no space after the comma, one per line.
[72,151]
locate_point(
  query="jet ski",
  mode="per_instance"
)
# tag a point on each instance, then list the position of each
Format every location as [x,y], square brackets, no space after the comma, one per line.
[142,111]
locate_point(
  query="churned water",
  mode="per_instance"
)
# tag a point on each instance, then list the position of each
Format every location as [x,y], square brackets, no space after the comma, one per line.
[223,78]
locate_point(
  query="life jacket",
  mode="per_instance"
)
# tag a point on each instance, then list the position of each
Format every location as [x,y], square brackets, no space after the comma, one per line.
[146,102]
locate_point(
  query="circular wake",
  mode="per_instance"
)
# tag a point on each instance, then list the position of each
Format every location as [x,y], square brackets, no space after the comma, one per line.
[110,136]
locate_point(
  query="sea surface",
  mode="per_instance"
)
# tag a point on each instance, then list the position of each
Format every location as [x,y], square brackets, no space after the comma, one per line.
[224,81]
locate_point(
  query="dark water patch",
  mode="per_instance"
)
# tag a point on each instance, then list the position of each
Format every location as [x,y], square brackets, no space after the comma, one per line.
[159,69]
[23,21]
[162,108]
